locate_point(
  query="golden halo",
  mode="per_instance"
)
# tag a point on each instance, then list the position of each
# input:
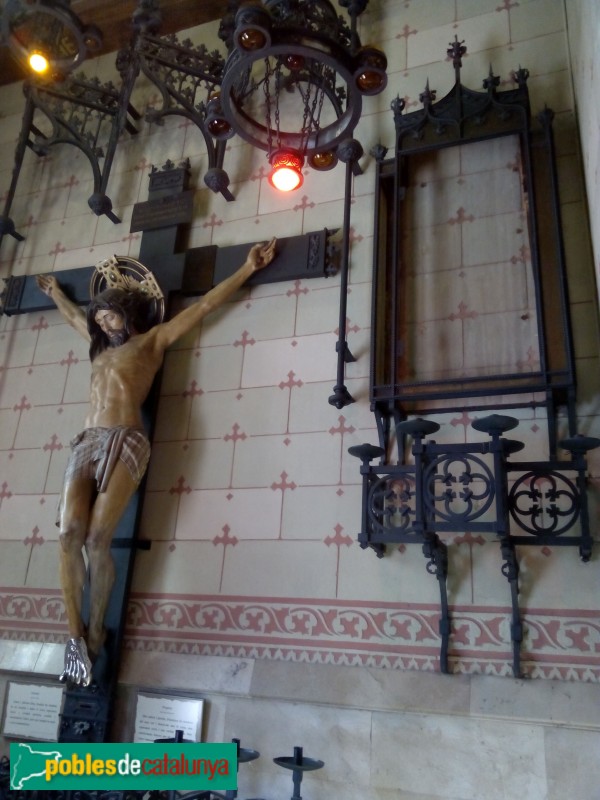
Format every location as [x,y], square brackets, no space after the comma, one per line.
[123,272]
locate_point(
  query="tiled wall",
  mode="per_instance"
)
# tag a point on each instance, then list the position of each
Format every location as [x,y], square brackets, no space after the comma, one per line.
[252,502]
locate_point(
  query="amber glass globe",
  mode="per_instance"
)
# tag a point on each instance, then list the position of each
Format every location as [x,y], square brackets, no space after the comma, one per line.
[252,39]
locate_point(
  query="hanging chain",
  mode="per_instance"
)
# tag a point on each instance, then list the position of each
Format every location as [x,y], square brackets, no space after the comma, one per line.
[312,111]
[278,85]
[267,91]
[317,76]
[317,121]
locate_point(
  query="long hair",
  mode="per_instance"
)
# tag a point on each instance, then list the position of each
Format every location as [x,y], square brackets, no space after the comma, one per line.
[132,306]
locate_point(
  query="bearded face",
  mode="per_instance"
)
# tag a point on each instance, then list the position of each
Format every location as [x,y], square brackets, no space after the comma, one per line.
[113,317]
[117,338]
[112,325]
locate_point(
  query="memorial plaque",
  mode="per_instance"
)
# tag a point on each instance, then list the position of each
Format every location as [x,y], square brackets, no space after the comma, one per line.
[164,212]
[160,716]
[32,711]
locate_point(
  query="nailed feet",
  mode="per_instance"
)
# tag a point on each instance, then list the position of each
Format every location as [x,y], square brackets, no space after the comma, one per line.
[77,666]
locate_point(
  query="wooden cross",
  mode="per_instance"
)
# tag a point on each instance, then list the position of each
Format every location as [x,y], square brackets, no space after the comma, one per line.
[163,219]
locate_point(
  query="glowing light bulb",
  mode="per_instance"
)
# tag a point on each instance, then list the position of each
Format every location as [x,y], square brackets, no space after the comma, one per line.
[286,174]
[38,62]
[286,179]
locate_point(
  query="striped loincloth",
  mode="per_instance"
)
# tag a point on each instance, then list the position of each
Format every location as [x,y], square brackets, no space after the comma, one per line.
[95,451]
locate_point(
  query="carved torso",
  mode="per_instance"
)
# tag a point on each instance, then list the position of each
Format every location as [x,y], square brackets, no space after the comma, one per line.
[120,382]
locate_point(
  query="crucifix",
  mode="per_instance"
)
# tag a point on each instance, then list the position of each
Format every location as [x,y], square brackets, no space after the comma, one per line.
[101,497]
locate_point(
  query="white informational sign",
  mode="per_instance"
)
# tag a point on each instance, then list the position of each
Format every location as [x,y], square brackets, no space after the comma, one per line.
[32,712]
[159,717]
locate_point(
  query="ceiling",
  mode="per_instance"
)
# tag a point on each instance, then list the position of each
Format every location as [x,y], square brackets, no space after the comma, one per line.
[113,17]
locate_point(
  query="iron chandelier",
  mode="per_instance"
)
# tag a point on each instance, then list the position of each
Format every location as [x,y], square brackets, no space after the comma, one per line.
[293,82]
[46,36]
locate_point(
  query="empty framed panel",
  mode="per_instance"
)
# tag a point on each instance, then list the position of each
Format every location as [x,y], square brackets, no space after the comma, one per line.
[470,308]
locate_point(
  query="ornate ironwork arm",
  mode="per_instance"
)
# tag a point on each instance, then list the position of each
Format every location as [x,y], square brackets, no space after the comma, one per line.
[464,488]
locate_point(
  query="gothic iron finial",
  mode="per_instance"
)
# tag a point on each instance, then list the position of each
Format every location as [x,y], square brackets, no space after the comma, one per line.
[398,105]
[491,82]
[378,151]
[428,96]
[456,51]
[521,76]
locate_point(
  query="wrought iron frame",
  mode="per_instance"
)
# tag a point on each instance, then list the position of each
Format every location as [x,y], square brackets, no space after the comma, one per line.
[464,116]
[417,499]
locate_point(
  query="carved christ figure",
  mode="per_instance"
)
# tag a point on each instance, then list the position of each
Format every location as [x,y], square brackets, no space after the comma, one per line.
[109,457]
